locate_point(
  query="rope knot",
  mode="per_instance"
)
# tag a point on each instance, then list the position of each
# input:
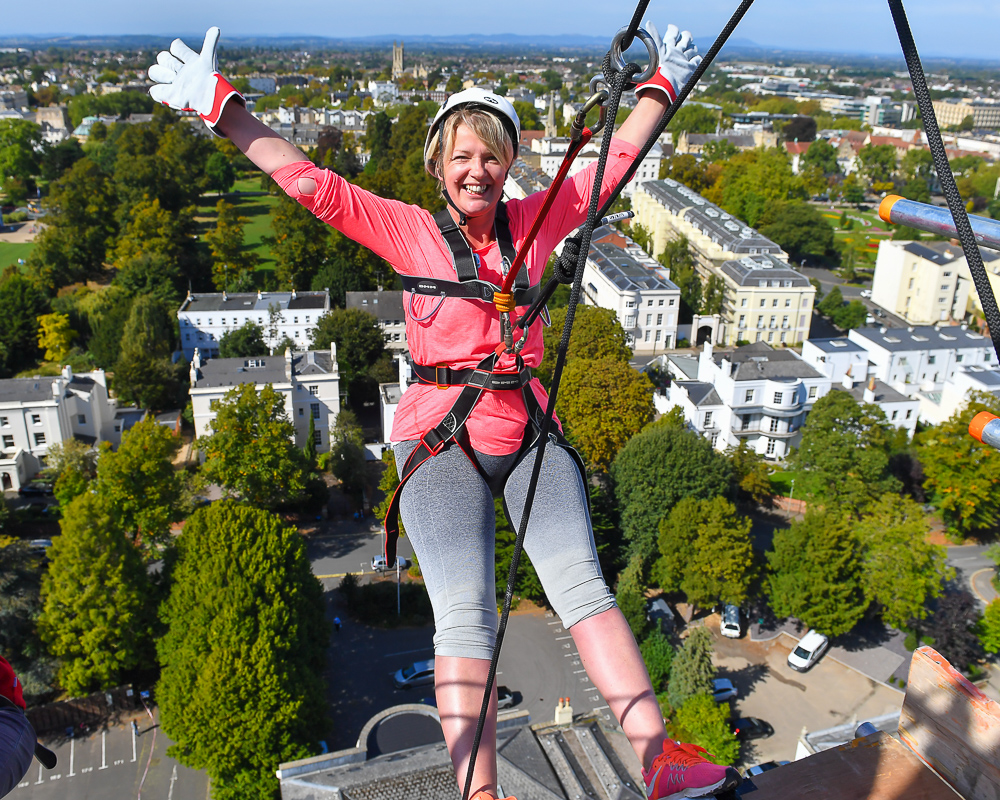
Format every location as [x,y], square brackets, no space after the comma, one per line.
[564,270]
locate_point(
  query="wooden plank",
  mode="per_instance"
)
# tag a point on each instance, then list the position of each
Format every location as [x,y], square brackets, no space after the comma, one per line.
[876,767]
[952,726]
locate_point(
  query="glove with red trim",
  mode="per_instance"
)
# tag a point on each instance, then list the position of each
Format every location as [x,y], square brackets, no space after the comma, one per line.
[190,81]
[678,60]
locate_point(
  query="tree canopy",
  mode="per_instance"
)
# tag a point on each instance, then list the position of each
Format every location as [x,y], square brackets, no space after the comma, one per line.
[596,334]
[692,671]
[243,342]
[244,650]
[803,233]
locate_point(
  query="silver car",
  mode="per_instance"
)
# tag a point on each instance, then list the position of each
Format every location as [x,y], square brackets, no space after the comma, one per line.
[419,673]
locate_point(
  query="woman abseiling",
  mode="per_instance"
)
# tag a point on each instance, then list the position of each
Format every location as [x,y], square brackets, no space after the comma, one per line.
[447,503]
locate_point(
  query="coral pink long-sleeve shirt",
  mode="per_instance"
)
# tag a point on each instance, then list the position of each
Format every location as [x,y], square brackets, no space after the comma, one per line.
[462,332]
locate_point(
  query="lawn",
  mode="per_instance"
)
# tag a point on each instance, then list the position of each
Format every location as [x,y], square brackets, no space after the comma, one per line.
[10,253]
[257,208]
[806,485]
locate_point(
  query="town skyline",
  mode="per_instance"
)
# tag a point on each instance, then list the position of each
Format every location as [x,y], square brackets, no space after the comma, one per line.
[960,31]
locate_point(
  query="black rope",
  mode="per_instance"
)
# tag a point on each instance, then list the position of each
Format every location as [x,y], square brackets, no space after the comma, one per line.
[686,90]
[947,180]
[543,436]
[633,26]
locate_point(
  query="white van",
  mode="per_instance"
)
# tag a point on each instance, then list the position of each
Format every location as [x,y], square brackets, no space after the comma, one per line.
[808,651]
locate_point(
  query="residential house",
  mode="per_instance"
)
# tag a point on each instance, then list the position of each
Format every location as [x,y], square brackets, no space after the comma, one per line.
[620,276]
[204,318]
[765,300]
[387,308]
[938,405]
[309,382]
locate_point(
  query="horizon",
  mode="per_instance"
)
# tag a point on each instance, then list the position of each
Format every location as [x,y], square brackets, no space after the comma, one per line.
[852,28]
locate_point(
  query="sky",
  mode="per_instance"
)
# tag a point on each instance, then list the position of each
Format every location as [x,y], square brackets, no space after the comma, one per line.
[952,28]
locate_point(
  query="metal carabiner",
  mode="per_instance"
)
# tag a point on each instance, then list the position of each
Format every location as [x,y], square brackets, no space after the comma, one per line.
[597,99]
[618,58]
[519,344]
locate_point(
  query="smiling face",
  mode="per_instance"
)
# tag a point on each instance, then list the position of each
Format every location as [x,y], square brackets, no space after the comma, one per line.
[473,175]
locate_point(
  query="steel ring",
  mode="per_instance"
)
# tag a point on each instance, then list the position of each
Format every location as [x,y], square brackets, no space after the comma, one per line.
[597,79]
[619,59]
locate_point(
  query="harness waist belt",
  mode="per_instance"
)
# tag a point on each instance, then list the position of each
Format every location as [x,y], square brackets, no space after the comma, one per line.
[442,376]
[473,289]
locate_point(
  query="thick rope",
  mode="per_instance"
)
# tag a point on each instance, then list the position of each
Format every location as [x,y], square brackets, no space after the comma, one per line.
[633,25]
[962,225]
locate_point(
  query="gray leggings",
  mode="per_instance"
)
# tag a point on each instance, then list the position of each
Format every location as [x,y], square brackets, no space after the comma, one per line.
[447,510]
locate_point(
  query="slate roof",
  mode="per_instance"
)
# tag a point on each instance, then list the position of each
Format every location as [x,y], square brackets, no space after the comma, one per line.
[26,390]
[751,270]
[945,252]
[839,344]
[202,303]
[384,306]
[883,392]
[619,267]
[226,372]
[726,230]
[760,361]
[700,393]
[988,377]
[921,337]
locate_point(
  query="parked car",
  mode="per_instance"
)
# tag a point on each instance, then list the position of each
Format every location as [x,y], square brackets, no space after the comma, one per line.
[36,488]
[767,766]
[661,613]
[730,626]
[866,293]
[751,728]
[419,673]
[723,690]
[808,651]
[41,545]
[505,697]
[379,565]
[879,313]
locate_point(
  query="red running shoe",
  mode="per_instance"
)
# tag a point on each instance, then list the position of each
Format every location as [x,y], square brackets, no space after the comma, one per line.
[682,771]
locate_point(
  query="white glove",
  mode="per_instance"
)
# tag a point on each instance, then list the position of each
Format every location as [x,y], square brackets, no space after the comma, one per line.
[678,60]
[190,81]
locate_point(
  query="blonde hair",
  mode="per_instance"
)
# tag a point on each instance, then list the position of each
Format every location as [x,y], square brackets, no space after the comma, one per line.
[487,127]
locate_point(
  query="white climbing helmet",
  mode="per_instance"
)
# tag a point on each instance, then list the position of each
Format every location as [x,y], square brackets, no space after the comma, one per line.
[500,106]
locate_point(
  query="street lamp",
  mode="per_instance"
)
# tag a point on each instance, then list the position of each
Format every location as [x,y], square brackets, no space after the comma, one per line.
[792,495]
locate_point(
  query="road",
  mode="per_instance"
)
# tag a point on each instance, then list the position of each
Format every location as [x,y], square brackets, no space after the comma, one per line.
[827,281]
[974,570]
[348,546]
[113,763]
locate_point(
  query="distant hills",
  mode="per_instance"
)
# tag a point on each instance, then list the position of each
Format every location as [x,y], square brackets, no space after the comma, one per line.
[740,48]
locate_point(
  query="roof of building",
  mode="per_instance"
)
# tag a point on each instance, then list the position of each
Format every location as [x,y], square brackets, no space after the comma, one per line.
[736,139]
[255,301]
[686,364]
[922,337]
[700,393]
[723,228]
[840,344]
[760,361]
[987,376]
[763,270]
[527,177]
[884,393]
[385,306]
[621,268]
[260,370]
[26,390]
[944,252]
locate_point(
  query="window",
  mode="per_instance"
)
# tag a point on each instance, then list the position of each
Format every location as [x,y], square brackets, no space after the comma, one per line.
[743,303]
[39,439]
[777,398]
[783,335]
[222,321]
[894,415]
[773,321]
[630,321]
[649,318]
[749,396]
[911,283]
[659,319]
[671,301]
[708,419]
[318,437]
[649,303]
[945,288]
[774,424]
[661,302]
[646,337]
[931,359]
[958,360]
[36,419]
[118,428]
[187,337]
[805,302]
[770,447]
[909,413]
[296,334]
[758,337]
[81,419]
[657,338]
[942,300]
[745,422]
[762,302]
[812,392]
[209,320]
[296,320]
[788,302]
[314,409]
[4,422]
[946,275]
[302,412]
[743,320]
[630,304]
[715,438]
[8,441]
[784,321]
[770,336]
[774,303]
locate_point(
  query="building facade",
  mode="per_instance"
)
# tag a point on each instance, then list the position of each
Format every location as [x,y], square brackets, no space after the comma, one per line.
[204,318]
[309,382]
[387,308]
[765,300]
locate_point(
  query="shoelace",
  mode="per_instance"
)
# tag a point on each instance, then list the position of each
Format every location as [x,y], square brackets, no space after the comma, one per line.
[685,755]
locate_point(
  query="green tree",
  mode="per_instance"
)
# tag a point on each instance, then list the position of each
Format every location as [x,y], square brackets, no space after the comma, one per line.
[21,303]
[962,476]
[846,445]
[20,604]
[877,163]
[692,671]
[901,571]
[20,146]
[602,404]
[144,371]
[97,617]
[750,474]
[714,296]
[243,342]
[350,267]
[596,334]
[630,597]
[108,317]
[755,181]
[823,155]
[299,245]
[816,572]
[230,261]
[802,232]
[656,469]
[831,303]
[387,486]
[705,723]
[244,650]
[694,118]
[138,484]
[251,451]
[55,336]
[719,150]
[347,457]
[359,340]
[152,250]
[219,173]
[658,656]
[74,465]
[705,552]
[989,628]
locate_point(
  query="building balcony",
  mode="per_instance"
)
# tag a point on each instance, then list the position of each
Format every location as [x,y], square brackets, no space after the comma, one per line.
[757,430]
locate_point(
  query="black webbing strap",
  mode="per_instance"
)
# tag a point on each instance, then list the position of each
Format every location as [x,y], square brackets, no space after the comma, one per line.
[443,376]
[947,180]
[471,290]
[466,267]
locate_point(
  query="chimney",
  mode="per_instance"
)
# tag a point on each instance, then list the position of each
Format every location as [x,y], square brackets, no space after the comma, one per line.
[259,294]
[333,352]
[67,372]
[224,295]
[196,361]
[293,293]
[847,381]
[869,395]
[288,364]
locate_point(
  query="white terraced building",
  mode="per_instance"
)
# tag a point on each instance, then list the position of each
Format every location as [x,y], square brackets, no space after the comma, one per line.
[204,318]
